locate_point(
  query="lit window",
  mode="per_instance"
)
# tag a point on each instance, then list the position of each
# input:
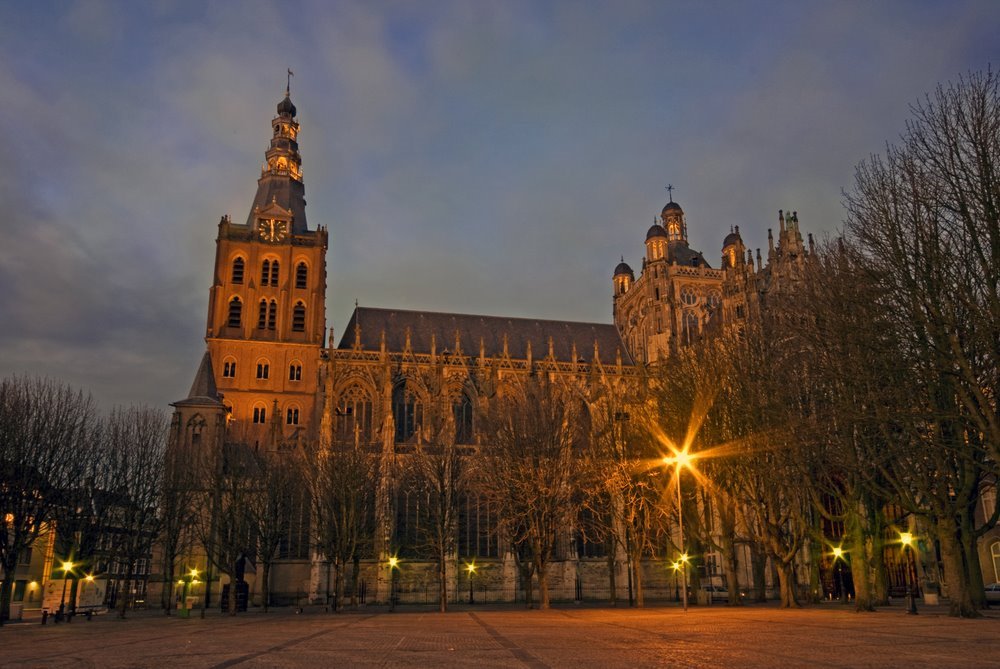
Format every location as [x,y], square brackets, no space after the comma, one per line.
[235,312]
[299,317]
[259,415]
[301,275]
[295,372]
[292,416]
[262,315]
[272,315]
[238,270]
[229,369]
[265,273]
[263,370]
[274,273]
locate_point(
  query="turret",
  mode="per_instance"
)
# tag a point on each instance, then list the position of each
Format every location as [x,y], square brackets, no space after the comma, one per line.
[733,249]
[623,278]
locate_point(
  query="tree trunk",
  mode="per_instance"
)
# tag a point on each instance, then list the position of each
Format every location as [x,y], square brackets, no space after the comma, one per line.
[640,601]
[7,589]
[443,583]
[543,584]
[974,569]
[167,591]
[266,584]
[123,589]
[954,570]
[786,580]
[355,574]
[758,567]
[859,566]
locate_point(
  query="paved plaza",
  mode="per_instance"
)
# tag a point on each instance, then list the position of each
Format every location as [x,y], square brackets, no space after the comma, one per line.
[752,636]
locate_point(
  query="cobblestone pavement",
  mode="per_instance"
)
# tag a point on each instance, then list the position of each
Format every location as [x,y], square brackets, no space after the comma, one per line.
[752,636]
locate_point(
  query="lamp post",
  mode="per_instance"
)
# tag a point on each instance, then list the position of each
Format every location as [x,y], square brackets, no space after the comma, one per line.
[681,459]
[676,566]
[838,556]
[189,580]
[393,565]
[906,538]
[67,567]
[471,568]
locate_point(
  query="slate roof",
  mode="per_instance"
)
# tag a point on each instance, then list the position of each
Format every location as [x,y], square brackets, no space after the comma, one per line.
[683,254]
[203,390]
[286,192]
[489,329]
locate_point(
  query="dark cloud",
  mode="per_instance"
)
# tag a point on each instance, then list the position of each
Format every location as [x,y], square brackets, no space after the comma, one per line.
[479,157]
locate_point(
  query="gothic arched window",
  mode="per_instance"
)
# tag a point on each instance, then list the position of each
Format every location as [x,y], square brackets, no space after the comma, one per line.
[462,410]
[295,371]
[262,315]
[259,414]
[235,312]
[299,317]
[265,273]
[292,415]
[263,369]
[272,314]
[301,275]
[229,368]
[274,272]
[238,270]
[407,411]
[353,414]
[689,296]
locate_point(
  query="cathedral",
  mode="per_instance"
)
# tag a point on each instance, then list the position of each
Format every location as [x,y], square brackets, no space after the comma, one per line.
[274,377]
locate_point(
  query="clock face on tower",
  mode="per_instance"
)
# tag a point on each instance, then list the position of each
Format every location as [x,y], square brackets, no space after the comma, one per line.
[272,231]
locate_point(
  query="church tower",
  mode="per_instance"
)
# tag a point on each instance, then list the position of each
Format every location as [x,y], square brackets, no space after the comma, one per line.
[267,305]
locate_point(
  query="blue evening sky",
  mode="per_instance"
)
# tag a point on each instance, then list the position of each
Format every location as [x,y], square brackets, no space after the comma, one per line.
[471,156]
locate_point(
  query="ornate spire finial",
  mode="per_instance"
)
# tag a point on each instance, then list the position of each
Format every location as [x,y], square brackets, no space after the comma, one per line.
[288,83]
[670,191]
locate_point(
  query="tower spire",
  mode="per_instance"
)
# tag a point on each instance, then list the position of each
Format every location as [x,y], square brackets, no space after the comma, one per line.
[288,83]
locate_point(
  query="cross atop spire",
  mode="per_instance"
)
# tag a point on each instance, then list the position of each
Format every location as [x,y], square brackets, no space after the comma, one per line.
[670,191]
[288,83]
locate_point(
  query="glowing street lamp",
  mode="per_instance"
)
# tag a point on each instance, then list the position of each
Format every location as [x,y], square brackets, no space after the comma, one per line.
[393,566]
[838,558]
[679,460]
[471,568]
[188,581]
[67,567]
[906,538]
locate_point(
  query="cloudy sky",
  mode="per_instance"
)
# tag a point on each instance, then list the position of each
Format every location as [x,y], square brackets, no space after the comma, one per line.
[479,156]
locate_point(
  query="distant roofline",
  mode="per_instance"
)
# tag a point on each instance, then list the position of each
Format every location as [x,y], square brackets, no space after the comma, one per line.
[486,316]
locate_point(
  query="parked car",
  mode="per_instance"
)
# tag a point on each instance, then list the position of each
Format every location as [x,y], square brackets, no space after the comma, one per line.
[993,592]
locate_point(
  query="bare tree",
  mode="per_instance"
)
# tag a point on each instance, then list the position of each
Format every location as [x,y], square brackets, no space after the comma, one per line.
[341,479]
[529,469]
[271,508]
[41,425]
[134,446]
[926,220]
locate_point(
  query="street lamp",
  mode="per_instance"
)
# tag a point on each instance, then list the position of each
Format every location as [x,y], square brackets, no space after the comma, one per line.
[189,580]
[906,539]
[393,565]
[676,566]
[471,568]
[67,567]
[681,459]
[838,558]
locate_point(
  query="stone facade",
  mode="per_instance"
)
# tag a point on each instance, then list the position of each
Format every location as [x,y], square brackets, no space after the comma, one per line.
[269,377]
